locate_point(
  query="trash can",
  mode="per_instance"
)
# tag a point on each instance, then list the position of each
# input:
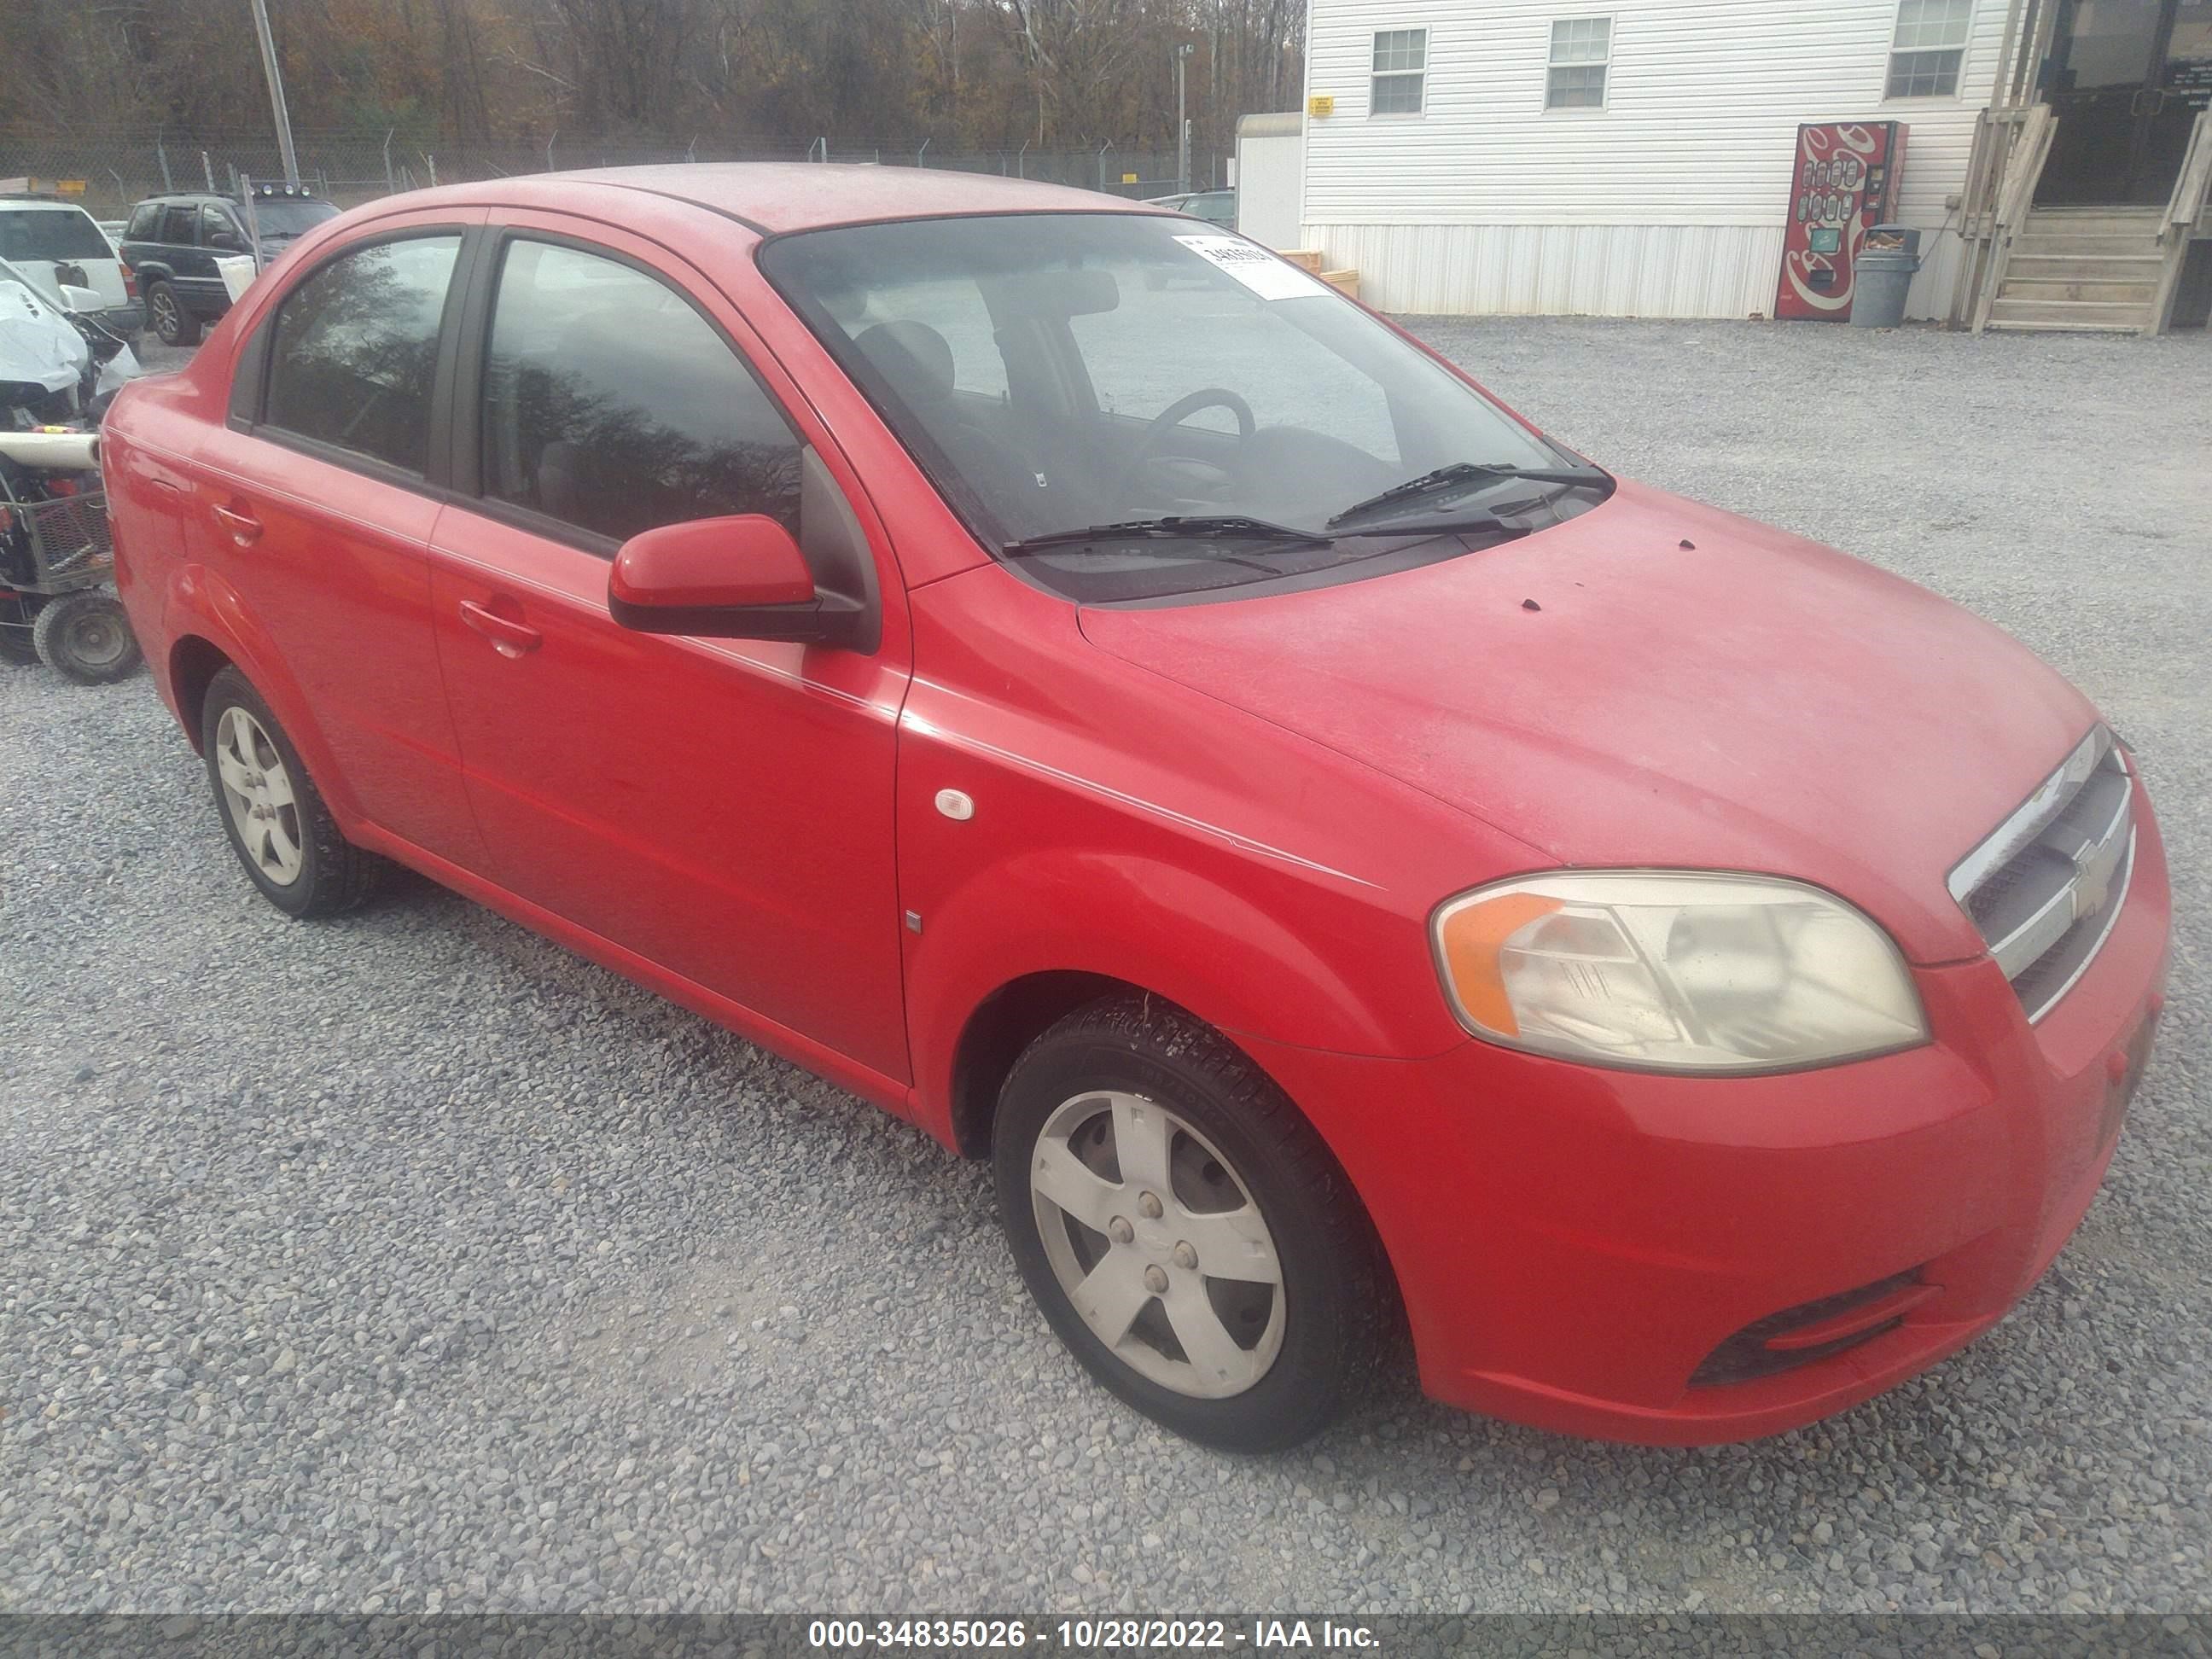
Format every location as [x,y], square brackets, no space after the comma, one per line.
[1882,274]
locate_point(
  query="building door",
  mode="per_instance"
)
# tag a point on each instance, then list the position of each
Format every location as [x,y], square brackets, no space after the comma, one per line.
[2125,79]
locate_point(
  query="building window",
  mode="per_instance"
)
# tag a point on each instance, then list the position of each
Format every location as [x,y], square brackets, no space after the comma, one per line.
[1582,48]
[1930,45]
[1401,62]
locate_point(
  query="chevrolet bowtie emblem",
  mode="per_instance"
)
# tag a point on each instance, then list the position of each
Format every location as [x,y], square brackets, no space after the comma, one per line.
[2093,881]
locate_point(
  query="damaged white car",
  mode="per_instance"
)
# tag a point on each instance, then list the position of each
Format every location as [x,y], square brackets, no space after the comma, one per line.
[57,363]
[59,368]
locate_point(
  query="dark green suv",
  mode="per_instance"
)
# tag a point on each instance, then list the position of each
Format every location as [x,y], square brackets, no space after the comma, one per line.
[171,243]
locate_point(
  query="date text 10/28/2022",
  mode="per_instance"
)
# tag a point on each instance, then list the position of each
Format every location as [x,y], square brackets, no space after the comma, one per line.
[1095,1635]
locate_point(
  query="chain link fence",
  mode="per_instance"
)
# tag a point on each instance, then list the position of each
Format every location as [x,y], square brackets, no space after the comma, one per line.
[109,173]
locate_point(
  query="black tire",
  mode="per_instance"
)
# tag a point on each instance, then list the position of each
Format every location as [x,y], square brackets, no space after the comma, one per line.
[171,323]
[17,644]
[1339,1304]
[334,875]
[86,636]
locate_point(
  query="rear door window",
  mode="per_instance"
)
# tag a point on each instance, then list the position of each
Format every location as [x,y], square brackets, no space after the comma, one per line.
[177,227]
[355,350]
[612,405]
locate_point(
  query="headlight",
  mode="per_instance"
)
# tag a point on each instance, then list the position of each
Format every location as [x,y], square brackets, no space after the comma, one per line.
[1675,971]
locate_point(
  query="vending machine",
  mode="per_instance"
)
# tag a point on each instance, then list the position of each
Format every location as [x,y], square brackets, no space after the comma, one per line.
[1845,182]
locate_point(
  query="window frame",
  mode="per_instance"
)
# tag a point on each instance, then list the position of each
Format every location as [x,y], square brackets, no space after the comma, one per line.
[255,365]
[465,441]
[1891,52]
[1427,31]
[1611,23]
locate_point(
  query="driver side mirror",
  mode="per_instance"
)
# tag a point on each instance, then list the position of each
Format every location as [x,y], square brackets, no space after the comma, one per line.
[226,242]
[739,578]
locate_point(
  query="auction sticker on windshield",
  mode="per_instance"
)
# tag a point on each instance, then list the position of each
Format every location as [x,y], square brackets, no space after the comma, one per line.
[1257,269]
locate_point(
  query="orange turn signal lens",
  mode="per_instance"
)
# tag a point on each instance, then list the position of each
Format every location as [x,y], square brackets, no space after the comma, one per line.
[1472,939]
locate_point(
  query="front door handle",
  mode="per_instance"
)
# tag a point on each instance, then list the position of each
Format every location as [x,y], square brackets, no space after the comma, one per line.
[509,637]
[245,529]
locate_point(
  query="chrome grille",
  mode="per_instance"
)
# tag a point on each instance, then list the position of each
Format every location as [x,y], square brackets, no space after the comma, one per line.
[2045,888]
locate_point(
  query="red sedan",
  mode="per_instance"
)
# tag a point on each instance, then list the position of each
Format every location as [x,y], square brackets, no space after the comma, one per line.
[1083,685]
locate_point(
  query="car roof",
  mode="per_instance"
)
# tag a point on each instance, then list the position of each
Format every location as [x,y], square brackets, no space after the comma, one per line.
[39,199]
[780,196]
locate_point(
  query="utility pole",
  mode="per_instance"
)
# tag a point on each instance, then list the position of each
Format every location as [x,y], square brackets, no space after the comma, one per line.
[1182,125]
[276,93]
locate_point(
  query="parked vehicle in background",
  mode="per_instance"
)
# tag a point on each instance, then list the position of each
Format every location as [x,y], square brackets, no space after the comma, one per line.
[175,242]
[50,239]
[1216,207]
[1344,857]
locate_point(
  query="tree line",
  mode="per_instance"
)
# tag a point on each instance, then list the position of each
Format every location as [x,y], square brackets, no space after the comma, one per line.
[970,73]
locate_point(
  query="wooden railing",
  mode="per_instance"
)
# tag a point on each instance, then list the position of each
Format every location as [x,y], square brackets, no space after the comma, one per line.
[2185,213]
[2188,214]
[2016,171]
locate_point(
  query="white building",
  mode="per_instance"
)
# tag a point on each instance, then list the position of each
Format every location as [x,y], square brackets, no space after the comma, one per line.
[1637,157]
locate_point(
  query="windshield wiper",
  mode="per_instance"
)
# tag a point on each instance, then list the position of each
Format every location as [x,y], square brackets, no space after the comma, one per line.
[1224,527]
[1460,473]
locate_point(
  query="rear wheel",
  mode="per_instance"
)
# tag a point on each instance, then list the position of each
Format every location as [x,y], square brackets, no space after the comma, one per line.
[1184,1230]
[85,637]
[284,836]
[173,324]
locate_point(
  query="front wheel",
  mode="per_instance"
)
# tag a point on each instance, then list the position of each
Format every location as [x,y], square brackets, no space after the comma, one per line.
[1184,1230]
[85,637]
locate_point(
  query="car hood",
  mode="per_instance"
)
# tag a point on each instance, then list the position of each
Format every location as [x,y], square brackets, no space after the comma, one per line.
[1658,683]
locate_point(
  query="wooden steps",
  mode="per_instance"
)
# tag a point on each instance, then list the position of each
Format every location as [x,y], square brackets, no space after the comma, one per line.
[2095,270]
[2062,289]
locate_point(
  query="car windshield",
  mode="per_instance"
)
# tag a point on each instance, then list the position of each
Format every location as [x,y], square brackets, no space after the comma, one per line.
[1053,372]
[280,217]
[28,233]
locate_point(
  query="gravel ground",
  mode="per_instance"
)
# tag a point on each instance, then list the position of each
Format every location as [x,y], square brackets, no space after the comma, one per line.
[408,1262]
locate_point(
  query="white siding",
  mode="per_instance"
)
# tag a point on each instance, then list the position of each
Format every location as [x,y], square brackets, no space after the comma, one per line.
[1668,202]
[1594,271]
[1270,169]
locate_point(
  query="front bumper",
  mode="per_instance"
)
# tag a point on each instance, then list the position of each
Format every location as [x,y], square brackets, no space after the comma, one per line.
[1572,1244]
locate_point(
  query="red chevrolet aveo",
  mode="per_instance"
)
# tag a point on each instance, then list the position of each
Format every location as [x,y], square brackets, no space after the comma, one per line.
[1078,681]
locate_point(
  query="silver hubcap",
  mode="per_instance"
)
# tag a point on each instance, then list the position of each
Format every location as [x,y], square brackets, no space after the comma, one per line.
[165,312]
[1158,1245]
[258,791]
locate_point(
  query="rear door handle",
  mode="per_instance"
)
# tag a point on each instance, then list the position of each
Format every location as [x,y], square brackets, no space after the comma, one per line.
[245,529]
[509,638]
